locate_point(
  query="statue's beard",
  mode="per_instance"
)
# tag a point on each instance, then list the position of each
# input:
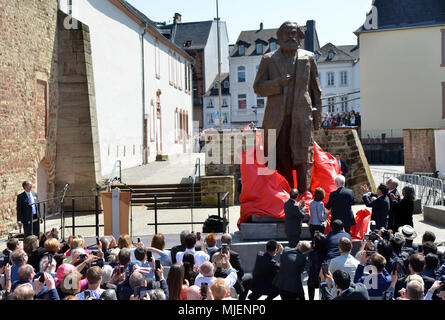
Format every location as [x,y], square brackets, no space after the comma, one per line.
[290,45]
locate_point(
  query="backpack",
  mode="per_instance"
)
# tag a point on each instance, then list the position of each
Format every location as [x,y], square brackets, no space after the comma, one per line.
[215,224]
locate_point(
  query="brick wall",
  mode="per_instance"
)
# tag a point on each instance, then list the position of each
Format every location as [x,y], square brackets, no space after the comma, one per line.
[419,150]
[28,98]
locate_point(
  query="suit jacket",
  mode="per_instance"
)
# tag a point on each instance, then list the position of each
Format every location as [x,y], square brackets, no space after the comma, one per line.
[393,207]
[174,250]
[357,291]
[264,271]
[235,262]
[292,263]
[401,283]
[341,201]
[380,210]
[293,217]
[332,239]
[306,108]
[343,168]
[403,213]
[24,210]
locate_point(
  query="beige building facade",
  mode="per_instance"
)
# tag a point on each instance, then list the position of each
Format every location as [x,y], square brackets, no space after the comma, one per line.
[402,80]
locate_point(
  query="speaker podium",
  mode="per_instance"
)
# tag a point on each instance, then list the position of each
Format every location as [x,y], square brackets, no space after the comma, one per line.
[116,208]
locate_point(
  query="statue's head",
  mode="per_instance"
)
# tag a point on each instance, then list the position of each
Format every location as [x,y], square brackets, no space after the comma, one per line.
[289,36]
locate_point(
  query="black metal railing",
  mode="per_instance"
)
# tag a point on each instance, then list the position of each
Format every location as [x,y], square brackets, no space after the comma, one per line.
[221,206]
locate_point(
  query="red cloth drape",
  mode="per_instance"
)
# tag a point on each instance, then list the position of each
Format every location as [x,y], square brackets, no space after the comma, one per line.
[264,191]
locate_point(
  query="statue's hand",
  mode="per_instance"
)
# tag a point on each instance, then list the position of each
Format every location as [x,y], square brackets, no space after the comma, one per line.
[284,80]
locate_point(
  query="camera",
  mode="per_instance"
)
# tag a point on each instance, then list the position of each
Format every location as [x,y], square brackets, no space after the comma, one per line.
[370,252]
[158,264]
[385,234]
[325,268]
[4,261]
[86,294]
[140,292]
[83,257]
[149,255]
[224,248]
[99,263]
[204,286]
[198,236]
[42,278]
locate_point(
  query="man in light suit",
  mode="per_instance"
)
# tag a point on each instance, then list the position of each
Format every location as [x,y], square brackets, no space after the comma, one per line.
[340,202]
[28,211]
[348,290]
[294,215]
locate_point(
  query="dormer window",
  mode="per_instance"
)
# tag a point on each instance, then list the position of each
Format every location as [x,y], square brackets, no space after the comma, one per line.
[273,46]
[215,85]
[331,55]
[241,50]
[259,48]
[226,84]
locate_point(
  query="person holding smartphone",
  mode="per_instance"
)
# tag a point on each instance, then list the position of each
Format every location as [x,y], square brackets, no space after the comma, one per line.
[94,277]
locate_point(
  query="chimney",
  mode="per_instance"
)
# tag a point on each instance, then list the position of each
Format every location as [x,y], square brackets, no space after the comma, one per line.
[261,26]
[310,37]
[177,18]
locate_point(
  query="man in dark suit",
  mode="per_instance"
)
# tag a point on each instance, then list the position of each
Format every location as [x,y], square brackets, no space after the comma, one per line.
[292,263]
[179,248]
[294,215]
[342,280]
[379,205]
[340,203]
[394,199]
[234,261]
[264,271]
[28,211]
[333,238]
[343,167]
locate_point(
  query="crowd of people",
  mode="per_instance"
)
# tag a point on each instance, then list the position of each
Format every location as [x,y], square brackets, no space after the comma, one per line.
[387,266]
[344,119]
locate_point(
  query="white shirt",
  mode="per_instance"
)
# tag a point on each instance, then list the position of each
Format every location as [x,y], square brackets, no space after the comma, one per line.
[31,201]
[230,280]
[200,256]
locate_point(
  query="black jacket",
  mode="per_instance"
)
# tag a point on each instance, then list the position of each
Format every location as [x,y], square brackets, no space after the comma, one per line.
[174,250]
[357,291]
[264,271]
[292,263]
[294,216]
[403,213]
[24,210]
[401,283]
[380,210]
[343,168]
[340,202]
[393,208]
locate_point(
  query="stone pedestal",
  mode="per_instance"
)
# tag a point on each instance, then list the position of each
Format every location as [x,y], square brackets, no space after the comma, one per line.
[435,214]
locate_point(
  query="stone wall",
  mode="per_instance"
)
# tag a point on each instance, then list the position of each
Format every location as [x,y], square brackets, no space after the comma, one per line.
[344,141]
[78,156]
[210,185]
[419,150]
[28,99]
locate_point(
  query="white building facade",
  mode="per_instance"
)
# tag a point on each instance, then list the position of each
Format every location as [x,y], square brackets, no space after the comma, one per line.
[143,92]
[339,74]
[211,104]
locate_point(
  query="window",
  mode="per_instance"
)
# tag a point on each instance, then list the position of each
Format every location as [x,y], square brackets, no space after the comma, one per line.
[241,50]
[344,78]
[242,101]
[273,46]
[186,83]
[331,106]
[224,102]
[210,118]
[260,101]
[157,60]
[210,104]
[215,85]
[331,55]
[259,48]
[344,104]
[443,100]
[226,84]
[331,80]
[241,74]
[256,69]
[225,118]
[443,47]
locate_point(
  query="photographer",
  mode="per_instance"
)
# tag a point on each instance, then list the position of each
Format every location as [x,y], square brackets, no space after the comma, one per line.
[94,277]
[437,285]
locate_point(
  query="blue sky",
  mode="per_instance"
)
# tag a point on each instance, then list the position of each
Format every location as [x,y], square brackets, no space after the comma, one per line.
[336,20]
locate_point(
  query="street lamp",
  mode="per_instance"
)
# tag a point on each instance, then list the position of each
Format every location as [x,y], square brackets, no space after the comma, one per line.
[256,114]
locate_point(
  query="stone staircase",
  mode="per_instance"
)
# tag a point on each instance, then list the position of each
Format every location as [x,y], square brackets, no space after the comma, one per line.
[174,196]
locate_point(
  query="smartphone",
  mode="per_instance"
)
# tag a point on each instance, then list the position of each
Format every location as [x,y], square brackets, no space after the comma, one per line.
[324,268]
[139,240]
[97,241]
[198,236]
[121,269]
[140,292]
[149,255]
[204,286]
[224,248]
[50,260]
[116,270]
[42,278]
[82,257]
[420,248]
[86,294]
[158,264]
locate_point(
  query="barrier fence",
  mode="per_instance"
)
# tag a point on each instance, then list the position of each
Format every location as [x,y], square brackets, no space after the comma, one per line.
[428,189]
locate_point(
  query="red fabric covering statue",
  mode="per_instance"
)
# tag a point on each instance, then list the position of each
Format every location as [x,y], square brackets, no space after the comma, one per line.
[264,191]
